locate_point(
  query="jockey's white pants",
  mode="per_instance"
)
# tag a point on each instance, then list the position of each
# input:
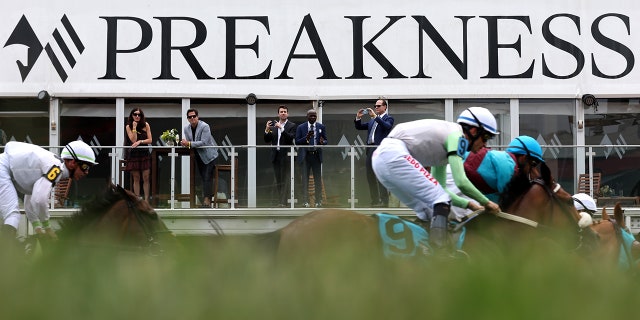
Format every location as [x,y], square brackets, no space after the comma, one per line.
[406,178]
[9,205]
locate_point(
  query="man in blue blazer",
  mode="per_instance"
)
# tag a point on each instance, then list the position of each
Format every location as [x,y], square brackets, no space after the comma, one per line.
[311,134]
[377,128]
[280,134]
[195,135]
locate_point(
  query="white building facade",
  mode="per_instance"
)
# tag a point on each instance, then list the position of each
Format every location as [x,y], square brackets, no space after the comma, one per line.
[531,63]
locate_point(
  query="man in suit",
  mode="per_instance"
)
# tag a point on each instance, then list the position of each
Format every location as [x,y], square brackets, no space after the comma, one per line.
[195,135]
[377,129]
[281,135]
[312,134]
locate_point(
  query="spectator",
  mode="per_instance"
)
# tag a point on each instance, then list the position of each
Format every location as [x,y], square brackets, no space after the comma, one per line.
[33,171]
[377,129]
[197,134]
[138,157]
[312,134]
[281,134]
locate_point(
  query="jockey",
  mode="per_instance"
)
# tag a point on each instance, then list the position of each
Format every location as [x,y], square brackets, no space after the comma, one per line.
[33,171]
[491,170]
[401,159]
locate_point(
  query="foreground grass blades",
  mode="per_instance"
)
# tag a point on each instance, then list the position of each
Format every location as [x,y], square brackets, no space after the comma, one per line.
[242,282]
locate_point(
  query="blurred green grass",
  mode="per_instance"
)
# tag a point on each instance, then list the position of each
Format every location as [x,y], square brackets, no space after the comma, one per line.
[238,281]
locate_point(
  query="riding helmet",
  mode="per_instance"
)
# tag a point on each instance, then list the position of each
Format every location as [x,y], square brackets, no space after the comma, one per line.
[479,117]
[79,151]
[526,145]
[583,201]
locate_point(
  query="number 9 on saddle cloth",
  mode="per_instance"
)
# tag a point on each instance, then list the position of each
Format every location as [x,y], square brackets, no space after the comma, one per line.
[404,239]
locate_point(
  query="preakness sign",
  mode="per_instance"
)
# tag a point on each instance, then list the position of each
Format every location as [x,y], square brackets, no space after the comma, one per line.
[320,49]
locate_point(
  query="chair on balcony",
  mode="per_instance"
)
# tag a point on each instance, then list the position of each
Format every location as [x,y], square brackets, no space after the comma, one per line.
[584,184]
[61,192]
[223,202]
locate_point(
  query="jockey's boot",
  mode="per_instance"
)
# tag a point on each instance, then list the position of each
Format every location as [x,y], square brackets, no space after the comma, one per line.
[438,237]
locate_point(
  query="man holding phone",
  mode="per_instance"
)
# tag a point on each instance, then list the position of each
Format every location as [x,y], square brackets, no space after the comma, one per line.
[281,134]
[378,127]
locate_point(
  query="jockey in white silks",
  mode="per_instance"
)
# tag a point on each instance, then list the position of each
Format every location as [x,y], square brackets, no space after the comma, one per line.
[33,171]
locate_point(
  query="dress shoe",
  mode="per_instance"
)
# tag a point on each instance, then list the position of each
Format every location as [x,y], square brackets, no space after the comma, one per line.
[306,205]
[318,205]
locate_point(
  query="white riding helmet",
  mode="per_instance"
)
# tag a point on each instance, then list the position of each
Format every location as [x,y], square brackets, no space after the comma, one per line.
[583,201]
[481,118]
[79,151]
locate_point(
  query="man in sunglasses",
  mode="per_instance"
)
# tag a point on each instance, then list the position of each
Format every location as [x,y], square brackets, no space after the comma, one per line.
[401,161]
[33,171]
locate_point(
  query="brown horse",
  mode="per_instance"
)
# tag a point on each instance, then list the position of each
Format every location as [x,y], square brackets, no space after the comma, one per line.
[613,250]
[541,216]
[116,221]
[539,209]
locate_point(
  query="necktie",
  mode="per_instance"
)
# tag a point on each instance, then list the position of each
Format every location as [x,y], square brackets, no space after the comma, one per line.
[373,132]
[313,138]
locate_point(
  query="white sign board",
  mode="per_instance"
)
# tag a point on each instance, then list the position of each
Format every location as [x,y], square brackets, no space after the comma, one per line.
[319,49]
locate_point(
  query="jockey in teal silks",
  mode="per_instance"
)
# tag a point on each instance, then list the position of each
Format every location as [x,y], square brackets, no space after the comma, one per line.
[491,170]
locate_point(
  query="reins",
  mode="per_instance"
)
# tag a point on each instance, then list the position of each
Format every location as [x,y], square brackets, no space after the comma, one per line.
[152,244]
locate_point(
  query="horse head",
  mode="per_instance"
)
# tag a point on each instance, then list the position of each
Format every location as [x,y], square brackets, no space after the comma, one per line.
[117,219]
[535,195]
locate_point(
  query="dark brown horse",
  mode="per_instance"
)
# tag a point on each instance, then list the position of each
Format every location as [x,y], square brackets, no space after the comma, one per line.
[538,210]
[616,246]
[116,221]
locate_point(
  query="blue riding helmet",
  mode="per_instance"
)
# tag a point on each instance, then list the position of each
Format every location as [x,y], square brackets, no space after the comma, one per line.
[526,145]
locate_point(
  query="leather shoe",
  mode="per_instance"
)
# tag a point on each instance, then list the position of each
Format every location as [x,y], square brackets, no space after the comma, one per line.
[318,205]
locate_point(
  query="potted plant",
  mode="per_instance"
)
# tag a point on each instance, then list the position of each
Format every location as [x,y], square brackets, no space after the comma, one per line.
[170,137]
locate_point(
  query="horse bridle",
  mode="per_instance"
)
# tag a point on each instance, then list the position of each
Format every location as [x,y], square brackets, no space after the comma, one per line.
[551,192]
[152,245]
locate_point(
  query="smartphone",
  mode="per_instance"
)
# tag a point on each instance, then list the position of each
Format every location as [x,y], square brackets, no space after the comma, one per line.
[363,110]
[272,123]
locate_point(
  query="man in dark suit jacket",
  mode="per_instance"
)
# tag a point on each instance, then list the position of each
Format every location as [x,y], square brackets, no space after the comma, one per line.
[281,134]
[377,128]
[313,134]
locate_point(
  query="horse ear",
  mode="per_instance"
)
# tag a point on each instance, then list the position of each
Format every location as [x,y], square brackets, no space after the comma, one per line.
[618,214]
[605,216]
[545,172]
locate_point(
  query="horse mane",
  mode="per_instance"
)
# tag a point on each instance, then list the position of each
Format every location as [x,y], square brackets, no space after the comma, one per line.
[520,183]
[90,211]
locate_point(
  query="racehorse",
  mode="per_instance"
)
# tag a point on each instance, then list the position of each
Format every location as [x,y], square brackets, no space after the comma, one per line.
[115,221]
[616,245]
[544,211]
[538,209]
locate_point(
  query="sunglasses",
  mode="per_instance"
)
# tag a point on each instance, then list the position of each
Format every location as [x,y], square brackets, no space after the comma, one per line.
[137,114]
[534,163]
[85,167]
[192,116]
[378,105]
[486,137]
